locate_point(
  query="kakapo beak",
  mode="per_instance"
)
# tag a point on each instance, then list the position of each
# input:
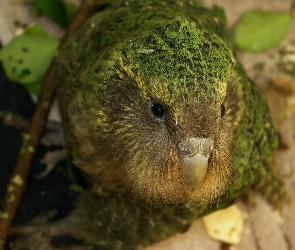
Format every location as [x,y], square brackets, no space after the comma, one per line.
[194,154]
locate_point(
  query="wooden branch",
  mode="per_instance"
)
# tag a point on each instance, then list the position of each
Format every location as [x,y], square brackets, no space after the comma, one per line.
[19,177]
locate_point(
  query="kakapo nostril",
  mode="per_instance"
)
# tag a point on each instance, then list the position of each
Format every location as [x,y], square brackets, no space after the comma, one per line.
[197,145]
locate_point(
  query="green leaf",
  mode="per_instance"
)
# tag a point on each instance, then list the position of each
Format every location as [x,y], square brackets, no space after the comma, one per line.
[54,9]
[70,10]
[258,30]
[35,12]
[220,13]
[60,11]
[35,30]
[35,87]
[27,57]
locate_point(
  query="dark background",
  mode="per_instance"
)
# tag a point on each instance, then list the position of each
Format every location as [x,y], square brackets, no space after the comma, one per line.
[52,191]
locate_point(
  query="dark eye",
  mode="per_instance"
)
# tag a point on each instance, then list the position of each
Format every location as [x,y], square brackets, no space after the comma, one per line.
[158,110]
[222,110]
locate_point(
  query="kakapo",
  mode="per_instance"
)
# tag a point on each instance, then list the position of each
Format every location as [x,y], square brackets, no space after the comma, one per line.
[162,120]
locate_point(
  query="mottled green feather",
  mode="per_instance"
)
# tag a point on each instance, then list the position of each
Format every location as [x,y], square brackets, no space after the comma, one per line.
[194,60]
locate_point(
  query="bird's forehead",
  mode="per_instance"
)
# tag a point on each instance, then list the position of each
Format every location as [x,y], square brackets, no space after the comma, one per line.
[181,60]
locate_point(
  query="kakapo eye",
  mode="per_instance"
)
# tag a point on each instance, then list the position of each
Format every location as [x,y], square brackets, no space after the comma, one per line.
[157,110]
[222,110]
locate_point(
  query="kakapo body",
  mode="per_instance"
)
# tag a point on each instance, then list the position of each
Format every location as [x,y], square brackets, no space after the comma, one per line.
[162,120]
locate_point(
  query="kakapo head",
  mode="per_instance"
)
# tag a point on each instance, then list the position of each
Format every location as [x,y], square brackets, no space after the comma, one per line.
[160,110]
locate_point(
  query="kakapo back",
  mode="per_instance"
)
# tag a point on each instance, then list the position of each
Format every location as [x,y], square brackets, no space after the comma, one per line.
[160,116]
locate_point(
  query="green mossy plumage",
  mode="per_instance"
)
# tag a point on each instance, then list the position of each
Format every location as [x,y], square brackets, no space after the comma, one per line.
[194,62]
[110,72]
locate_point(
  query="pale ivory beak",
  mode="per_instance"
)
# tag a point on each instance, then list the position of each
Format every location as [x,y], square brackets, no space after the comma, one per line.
[194,154]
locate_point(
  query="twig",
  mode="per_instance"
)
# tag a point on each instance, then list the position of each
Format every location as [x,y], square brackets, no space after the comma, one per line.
[19,177]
